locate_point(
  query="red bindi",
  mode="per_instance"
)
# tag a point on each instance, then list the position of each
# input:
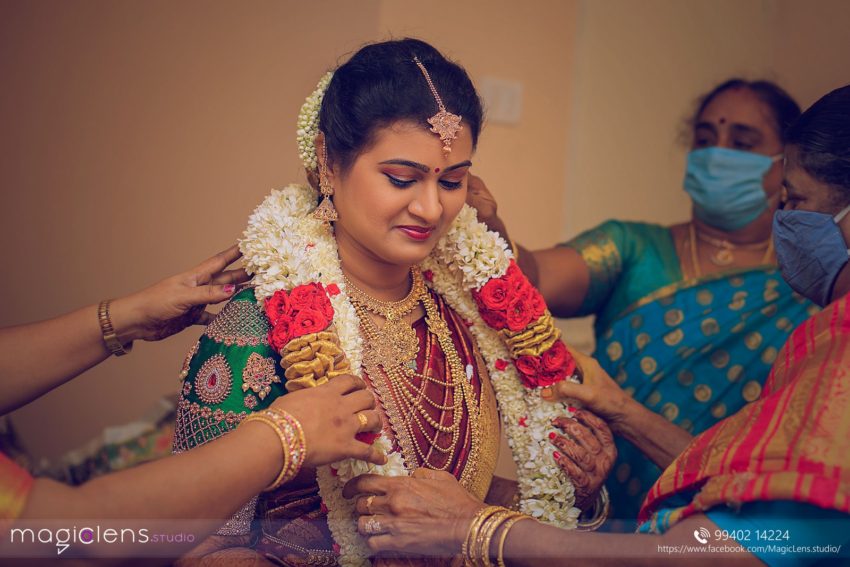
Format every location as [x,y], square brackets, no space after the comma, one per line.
[436,170]
[723,121]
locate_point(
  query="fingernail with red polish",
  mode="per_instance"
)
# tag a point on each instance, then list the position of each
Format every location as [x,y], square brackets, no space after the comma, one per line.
[557,455]
[552,436]
[230,288]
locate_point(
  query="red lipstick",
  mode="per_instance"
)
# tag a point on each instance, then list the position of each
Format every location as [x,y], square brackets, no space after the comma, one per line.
[418,233]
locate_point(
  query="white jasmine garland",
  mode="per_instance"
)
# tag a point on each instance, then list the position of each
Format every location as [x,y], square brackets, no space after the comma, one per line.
[308,123]
[284,247]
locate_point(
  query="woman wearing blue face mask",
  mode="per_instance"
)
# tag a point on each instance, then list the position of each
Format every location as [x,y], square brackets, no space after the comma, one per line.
[690,317]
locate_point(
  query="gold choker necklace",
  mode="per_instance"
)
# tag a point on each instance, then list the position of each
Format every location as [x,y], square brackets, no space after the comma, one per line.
[396,339]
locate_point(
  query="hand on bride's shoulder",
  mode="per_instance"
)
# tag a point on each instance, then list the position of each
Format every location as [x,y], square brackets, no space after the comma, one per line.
[171,305]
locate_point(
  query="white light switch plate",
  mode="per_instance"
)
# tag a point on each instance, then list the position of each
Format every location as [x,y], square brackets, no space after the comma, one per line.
[502,100]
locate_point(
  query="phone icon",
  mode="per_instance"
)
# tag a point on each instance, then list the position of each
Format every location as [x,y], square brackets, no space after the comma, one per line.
[702,535]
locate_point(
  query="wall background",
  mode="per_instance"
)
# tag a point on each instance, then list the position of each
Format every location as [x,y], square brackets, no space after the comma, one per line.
[137,137]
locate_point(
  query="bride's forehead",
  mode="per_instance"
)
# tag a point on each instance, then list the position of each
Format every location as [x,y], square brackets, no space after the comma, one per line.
[416,140]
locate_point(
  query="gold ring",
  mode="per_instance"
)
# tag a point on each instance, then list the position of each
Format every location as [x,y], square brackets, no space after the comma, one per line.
[372,526]
[364,421]
[369,503]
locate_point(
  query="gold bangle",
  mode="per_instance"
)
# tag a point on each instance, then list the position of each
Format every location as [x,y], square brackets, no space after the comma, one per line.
[284,446]
[296,440]
[486,533]
[600,513]
[113,345]
[506,527]
[474,527]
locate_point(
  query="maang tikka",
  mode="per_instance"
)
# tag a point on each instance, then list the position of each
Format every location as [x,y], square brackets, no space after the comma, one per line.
[445,124]
[325,212]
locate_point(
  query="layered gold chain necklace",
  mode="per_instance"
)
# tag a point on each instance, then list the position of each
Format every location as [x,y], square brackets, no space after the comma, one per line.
[392,348]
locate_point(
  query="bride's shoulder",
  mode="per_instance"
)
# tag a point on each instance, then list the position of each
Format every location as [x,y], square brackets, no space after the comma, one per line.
[241,322]
[230,372]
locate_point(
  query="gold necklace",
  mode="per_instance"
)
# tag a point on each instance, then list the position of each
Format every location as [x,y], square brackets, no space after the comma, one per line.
[725,255]
[396,339]
[414,413]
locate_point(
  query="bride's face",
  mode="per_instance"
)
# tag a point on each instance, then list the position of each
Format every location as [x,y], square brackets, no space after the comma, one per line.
[402,194]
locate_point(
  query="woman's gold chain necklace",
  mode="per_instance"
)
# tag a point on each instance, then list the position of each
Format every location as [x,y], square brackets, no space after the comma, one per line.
[382,350]
[725,253]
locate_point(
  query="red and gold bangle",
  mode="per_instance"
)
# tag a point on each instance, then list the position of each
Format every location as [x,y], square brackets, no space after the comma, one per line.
[296,441]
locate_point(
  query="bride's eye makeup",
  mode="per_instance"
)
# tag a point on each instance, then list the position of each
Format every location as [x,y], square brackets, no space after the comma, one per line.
[410,172]
[399,178]
[453,182]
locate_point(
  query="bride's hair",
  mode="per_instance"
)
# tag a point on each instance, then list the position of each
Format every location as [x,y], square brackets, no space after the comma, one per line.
[381,85]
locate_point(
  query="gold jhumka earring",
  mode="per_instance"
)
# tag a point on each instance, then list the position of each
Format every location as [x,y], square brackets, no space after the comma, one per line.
[445,124]
[325,212]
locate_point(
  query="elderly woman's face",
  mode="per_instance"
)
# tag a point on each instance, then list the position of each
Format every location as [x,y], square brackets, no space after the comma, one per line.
[801,191]
[402,194]
[736,119]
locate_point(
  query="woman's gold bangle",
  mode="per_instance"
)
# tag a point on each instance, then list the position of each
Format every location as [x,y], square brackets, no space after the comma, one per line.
[486,533]
[472,534]
[297,444]
[292,443]
[484,526]
[284,445]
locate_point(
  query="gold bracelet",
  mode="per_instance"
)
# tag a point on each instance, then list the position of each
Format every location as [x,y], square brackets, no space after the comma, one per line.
[113,345]
[506,527]
[284,446]
[600,513]
[486,533]
[297,444]
[474,527]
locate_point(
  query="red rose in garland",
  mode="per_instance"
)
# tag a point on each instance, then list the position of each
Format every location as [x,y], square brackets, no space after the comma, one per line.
[520,314]
[312,295]
[308,321]
[280,334]
[304,310]
[495,295]
[277,306]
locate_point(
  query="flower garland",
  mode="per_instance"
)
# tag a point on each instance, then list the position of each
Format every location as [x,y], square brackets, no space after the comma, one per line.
[317,332]
[308,123]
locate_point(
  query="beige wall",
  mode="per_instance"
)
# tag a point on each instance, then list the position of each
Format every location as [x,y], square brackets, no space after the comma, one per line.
[813,47]
[137,137]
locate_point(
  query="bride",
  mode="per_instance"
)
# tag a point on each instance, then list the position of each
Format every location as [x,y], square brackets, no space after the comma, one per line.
[390,276]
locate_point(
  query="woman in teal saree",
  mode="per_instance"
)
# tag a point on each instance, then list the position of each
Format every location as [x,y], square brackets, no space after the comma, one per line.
[693,348]
[689,317]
